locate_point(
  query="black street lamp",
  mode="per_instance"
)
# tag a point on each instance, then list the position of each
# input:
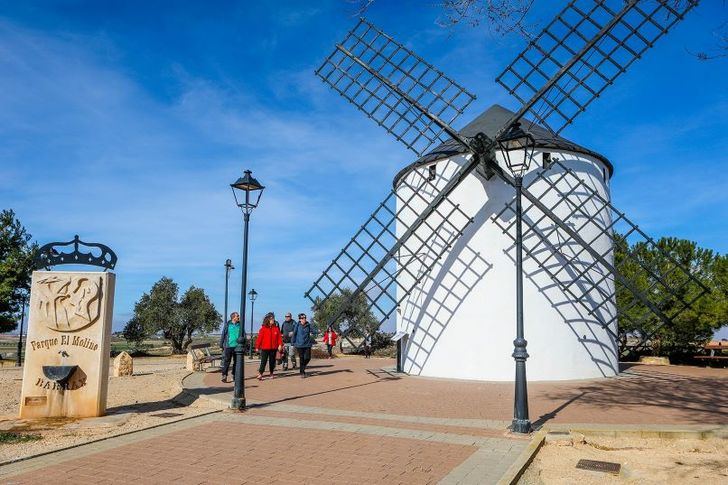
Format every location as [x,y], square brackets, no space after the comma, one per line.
[228,267]
[248,185]
[18,360]
[517,147]
[253,295]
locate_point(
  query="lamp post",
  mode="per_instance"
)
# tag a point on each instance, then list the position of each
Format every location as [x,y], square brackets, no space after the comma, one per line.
[248,185]
[228,268]
[18,361]
[517,147]
[253,295]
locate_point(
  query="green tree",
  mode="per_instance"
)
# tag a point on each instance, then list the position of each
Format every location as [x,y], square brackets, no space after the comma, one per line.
[197,313]
[691,327]
[161,310]
[135,333]
[16,266]
[356,318]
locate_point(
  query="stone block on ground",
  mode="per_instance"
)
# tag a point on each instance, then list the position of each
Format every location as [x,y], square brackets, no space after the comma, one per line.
[123,365]
[652,360]
[194,360]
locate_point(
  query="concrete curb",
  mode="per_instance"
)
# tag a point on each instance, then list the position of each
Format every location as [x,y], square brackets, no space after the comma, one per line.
[190,385]
[665,431]
[514,472]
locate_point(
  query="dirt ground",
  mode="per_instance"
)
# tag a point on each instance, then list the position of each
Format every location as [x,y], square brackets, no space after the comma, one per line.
[133,402]
[643,460]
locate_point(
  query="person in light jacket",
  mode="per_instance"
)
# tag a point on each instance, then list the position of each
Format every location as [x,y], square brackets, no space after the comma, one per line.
[228,342]
[289,350]
[269,342]
[303,340]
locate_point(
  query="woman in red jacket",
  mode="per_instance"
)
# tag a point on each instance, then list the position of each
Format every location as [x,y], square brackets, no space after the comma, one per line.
[268,342]
[330,340]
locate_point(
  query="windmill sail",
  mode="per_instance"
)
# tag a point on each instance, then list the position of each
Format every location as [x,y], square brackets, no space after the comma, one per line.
[581,52]
[589,271]
[414,102]
[400,91]
[388,247]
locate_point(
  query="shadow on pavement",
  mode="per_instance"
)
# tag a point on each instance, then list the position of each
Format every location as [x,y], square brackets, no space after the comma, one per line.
[551,415]
[697,399]
[319,393]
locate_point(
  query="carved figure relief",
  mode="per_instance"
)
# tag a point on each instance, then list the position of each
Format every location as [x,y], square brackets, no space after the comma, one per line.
[69,303]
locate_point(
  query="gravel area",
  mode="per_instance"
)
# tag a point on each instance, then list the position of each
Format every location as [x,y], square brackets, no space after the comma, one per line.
[133,402]
[643,460]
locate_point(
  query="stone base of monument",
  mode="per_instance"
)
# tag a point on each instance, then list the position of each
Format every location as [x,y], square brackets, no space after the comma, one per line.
[67,349]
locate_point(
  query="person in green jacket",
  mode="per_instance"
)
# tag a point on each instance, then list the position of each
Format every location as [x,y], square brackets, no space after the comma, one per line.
[228,342]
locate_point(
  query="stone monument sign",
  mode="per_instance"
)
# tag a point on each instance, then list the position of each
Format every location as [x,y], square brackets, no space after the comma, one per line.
[68,344]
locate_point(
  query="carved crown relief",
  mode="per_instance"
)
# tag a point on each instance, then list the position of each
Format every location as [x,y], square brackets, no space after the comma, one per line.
[69,302]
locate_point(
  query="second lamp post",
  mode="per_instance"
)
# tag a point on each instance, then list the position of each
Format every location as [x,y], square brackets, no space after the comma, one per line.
[253,295]
[517,146]
[253,190]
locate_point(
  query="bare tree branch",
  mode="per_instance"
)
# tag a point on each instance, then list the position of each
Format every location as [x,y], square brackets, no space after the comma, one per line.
[721,45]
[504,17]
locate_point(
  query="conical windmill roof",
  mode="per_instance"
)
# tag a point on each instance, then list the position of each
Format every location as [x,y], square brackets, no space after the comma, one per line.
[489,122]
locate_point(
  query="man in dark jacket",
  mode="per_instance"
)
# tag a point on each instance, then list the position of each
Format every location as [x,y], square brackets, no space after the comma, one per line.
[228,342]
[303,340]
[287,332]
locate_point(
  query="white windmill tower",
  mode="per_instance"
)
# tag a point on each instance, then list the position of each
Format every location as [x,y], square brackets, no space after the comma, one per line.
[458,319]
[437,254]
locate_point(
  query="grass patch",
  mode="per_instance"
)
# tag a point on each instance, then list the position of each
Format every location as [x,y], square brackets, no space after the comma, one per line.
[9,438]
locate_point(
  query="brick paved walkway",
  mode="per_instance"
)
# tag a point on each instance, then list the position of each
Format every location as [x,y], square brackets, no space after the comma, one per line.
[353,422]
[247,448]
[642,394]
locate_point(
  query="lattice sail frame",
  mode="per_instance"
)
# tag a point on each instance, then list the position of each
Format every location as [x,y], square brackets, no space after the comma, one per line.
[652,302]
[584,49]
[359,260]
[395,87]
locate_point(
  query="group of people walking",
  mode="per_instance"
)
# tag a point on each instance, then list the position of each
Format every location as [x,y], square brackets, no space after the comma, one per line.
[289,343]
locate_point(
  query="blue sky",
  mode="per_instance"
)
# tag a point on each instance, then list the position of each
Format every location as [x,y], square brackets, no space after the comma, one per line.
[125,121]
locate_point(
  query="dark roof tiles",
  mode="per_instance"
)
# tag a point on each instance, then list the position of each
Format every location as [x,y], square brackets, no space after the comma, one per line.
[489,123]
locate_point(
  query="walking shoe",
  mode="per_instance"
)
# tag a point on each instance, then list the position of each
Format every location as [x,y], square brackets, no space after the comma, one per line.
[224,378]
[271,376]
[260,377]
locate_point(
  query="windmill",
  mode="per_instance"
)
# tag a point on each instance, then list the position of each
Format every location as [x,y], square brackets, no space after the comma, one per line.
[408,261]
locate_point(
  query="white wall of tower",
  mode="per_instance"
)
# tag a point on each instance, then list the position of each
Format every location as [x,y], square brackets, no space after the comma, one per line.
[461,317]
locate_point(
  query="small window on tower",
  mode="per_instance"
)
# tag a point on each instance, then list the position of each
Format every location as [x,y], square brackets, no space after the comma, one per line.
[546,159]
[432,173]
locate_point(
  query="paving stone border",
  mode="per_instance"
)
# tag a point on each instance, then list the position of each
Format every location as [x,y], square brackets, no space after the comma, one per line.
[519,466]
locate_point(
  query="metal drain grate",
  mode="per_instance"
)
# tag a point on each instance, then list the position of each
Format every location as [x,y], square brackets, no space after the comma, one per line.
[167,415]
[599,466]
